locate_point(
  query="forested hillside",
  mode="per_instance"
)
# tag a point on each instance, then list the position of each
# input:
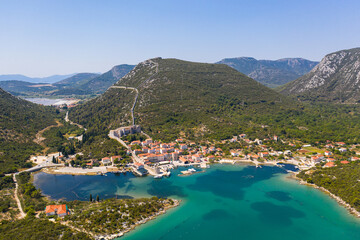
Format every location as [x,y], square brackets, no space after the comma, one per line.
[204,101]
[20,120]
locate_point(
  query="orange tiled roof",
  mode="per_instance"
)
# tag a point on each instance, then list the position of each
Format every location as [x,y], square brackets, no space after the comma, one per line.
[59,208]
[330,164]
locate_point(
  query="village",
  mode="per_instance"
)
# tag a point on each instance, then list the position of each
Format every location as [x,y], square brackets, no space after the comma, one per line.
[157,158]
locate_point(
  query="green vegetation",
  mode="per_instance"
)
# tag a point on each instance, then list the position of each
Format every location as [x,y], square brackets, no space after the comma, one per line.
[32,200]
[8,206]
[341,180]
[113,215]
[100,83]
[6,182]
[38,229]
[211,101]
[57,138]
[20,120]
[97,148]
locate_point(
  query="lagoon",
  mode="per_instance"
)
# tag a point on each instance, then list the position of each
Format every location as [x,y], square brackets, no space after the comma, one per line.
[224,202]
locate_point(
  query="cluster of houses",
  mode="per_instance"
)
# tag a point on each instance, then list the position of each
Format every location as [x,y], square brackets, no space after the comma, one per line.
[151,152]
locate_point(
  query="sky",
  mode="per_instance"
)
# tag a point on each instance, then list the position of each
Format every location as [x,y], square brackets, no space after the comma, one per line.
[42,38]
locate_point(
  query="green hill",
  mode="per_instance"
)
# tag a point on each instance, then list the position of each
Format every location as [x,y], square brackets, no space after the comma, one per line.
[181,98]
[20,120]
[210,101]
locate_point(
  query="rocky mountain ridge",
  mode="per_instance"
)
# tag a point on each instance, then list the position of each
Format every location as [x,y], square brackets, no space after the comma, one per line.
[336,78]
[271,73]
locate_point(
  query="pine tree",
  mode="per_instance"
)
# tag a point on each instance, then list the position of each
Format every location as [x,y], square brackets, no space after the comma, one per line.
[90,199]
[97,198]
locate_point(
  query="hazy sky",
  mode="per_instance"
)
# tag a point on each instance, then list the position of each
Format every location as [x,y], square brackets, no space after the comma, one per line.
[40,38]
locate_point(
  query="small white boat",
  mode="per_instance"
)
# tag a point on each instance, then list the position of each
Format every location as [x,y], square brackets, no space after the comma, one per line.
[192,170]
[158,176]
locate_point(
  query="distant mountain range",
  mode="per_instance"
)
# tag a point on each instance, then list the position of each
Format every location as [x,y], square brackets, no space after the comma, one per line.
[50,79]
[77,84]
[336,78]
[271,73]
[77,79]
[102,82]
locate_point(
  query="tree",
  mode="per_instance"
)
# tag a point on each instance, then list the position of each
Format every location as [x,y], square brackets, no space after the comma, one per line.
[53,159]
[97,198]
[90,199]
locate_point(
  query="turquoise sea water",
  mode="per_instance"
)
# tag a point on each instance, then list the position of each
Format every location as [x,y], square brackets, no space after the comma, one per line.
[224,202]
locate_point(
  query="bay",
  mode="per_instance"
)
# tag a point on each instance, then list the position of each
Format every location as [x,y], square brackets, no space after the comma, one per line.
[224,202]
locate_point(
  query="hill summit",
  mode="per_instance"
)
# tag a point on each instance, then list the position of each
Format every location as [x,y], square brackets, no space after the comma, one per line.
[336,78]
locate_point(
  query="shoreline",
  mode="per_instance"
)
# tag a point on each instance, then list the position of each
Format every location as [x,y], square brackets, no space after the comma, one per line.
[104,169]
[292,175]
[138,223]
[80,171]
[339,200]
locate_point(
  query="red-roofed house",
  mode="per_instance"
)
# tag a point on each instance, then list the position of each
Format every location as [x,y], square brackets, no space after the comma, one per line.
[106,160]
[344,162]
[139,165]
[329,164]
[59,210]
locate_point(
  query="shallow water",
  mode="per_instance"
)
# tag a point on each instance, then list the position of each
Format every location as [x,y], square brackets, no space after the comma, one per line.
[225,202]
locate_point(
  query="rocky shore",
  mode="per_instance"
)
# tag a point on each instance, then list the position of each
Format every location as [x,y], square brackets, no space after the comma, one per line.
[133,226]
[352,210]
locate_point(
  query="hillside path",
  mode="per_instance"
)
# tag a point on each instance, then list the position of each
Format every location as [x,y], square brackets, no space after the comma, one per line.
[71,122]
[39,138]
[22,214]
[137,92]
[135,100]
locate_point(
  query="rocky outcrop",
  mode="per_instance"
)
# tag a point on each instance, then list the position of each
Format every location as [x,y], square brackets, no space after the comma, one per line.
[335,78]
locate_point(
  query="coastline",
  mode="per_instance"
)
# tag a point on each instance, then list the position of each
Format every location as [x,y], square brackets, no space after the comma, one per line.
[133,226]
[292,175]
[339,200]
